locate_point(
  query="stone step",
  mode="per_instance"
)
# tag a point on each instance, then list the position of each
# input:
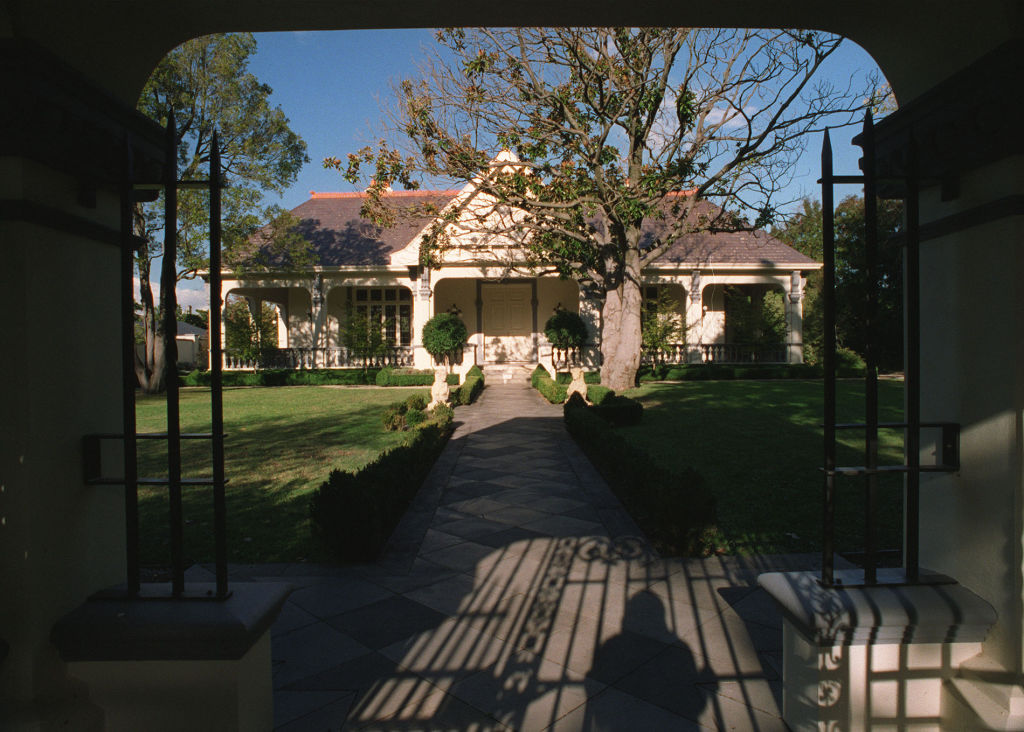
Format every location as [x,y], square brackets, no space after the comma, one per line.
[506,373]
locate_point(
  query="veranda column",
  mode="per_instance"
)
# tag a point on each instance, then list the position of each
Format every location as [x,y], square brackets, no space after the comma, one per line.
[795,318]
[422,311]
[224,290]
[318,321]
[282,326]
[694,313]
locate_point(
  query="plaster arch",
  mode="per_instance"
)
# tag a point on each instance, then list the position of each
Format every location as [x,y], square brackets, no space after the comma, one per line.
[118,45]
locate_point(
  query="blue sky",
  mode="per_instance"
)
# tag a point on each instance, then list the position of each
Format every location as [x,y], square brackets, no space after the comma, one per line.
[333,85]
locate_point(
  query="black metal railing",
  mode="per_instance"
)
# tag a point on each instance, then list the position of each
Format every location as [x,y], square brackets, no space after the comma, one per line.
[316,358]
[948,457]
[131,192]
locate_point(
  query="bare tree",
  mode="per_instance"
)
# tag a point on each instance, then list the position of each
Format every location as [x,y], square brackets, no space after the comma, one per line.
[609,134]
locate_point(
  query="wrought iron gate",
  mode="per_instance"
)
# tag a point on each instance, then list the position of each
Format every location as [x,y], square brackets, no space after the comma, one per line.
[131,192]
[949,433]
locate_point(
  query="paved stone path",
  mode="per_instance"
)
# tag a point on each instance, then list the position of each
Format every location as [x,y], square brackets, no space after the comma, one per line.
[517,594]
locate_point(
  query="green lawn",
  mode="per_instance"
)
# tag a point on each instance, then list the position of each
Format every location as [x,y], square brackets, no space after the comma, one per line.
[759,447]
[282,443]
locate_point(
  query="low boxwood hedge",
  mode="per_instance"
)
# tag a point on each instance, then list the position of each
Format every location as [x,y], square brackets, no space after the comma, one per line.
[674,509]
[471,387]
[541,380]
[714,371]
[388,376]
[353,514]
[283,377]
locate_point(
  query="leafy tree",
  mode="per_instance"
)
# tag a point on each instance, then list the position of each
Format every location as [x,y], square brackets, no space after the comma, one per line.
[363,336]
[207,83]
[803,232]
[662,326]
[443,336]
[607,127]
[247,336]
[198,318]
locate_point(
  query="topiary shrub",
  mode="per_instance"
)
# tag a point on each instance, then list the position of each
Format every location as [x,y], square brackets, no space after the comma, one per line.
[443,337]
[566,332]
[389,376]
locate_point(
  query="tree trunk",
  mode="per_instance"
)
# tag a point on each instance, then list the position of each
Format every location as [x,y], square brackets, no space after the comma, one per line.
[620,328]
[149,369]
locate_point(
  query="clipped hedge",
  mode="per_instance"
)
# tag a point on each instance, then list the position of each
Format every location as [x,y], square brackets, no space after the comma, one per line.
[388,376]
[541,380]
[284,377]
[619,410]
[471,387]
[713,371]
[674,509]
[353,514]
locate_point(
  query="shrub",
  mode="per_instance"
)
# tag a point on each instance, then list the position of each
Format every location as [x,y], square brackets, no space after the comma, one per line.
[471,387]
[404,415]
[442,413]
[452,379]
[414,417]
[353,514]
[417,401]
[674,509]
[443,337]
[548,387]
[849,363]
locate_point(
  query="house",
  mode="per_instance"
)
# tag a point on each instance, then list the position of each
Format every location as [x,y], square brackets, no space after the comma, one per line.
[193,345]
[484,276]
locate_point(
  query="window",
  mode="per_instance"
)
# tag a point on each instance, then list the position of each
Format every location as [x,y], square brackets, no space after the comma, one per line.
[391,308]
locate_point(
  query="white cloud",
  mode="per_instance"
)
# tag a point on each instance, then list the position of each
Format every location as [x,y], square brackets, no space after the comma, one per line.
[193,293]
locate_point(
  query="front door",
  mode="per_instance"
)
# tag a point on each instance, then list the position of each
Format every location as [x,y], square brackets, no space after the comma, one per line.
[508,322]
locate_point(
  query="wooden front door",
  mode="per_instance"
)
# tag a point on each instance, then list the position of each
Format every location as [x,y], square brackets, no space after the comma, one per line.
[508,323]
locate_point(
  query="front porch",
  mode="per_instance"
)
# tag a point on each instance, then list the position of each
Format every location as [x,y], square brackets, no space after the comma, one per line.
[505,319]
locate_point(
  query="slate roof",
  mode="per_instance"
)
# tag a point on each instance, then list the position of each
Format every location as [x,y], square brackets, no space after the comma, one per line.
[189,329]
[340,236]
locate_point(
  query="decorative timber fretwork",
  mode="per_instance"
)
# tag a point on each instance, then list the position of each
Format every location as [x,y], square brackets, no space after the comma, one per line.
[57,117]
[969,120]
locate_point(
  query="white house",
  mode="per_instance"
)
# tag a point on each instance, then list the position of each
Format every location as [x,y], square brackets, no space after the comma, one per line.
[484,276]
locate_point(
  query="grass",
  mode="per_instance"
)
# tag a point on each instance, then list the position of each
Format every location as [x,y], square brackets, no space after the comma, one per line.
[759,447]
[282,443]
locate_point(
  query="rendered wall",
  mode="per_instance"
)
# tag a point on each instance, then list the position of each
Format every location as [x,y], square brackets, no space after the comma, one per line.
[60,540]
[972,345]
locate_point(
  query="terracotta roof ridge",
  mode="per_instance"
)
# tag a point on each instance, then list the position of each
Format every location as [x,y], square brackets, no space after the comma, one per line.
[319,195]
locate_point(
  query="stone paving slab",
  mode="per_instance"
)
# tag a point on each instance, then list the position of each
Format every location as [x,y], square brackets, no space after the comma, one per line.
[517,594]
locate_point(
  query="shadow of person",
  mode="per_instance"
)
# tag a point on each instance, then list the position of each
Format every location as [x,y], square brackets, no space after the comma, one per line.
[644,677]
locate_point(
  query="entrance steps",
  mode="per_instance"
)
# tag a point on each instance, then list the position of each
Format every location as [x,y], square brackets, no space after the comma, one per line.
[507,373]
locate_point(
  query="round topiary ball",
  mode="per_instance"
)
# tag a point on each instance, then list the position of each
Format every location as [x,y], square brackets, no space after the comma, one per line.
[565,329]
[443,336]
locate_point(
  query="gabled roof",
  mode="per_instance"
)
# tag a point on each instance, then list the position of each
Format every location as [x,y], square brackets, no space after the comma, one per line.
[341,237]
